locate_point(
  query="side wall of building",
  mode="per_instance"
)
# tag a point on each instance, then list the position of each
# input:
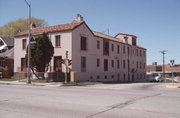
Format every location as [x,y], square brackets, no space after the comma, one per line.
[19,53]
[132,72]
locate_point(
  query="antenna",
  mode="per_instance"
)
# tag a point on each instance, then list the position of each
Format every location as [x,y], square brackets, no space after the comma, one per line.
[107,30]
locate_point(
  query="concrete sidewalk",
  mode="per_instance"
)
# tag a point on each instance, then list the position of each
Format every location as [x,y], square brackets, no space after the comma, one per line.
[173,85]
[53,84]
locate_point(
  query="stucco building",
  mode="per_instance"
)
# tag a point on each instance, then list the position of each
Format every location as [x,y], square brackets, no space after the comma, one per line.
[95,56]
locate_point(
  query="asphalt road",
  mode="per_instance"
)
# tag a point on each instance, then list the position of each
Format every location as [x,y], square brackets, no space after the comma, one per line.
[142,100]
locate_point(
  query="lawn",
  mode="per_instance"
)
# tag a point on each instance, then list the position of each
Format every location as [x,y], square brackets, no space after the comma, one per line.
[23,80]
[80,83]
[10,79]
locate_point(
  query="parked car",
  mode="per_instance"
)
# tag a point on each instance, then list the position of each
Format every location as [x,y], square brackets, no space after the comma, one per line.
[156,78]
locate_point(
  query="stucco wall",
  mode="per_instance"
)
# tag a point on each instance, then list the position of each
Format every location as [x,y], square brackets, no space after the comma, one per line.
[92,53]
[58,51]
[18,53]
[66,42]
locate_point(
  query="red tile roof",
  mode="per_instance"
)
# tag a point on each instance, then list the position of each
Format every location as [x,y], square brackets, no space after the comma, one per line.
[138,46]
[70,26]
[98,34]
[55,28]
[101,35]
[125,34]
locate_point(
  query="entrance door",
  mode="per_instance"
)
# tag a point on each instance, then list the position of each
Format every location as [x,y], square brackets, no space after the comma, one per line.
[57,64]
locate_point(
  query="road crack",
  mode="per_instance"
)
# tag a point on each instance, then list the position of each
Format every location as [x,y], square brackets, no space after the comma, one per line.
[124,104]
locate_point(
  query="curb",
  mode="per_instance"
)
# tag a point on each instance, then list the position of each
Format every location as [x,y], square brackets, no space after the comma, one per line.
[171,86]
[33,84]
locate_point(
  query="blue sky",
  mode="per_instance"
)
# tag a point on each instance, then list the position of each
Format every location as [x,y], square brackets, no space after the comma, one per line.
[156,23]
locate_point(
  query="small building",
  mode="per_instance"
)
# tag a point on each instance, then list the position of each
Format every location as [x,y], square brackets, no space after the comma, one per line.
[95,56]
[6,56]
[155,68]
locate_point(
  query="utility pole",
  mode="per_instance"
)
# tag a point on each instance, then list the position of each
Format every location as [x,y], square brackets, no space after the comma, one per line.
[163,52]
[66,64]
[29,37]
[172,68]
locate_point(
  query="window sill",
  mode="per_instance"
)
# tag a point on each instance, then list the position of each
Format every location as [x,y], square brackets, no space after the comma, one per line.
[57,46]
[83,50]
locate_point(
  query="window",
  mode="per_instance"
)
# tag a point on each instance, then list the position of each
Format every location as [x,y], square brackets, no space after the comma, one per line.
[134,41]
[112,63]
[137,76]
[57,40]
[144,53]
[2,63]
[118,49]
[23,64]
[140,65]
[124,63]
[137,52]
[105,77]
[24,43]
[112,47]
[133,52]
[124,77]
[124,49]
[98,62]
[83,64]
[106,47]
[112,76]
[128,50]
[137,64]
[83,43]
[97,77]
[98,44]
[140,53]
[105,65]
[118,64]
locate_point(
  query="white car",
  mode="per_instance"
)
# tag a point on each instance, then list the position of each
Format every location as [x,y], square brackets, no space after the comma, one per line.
[155,78]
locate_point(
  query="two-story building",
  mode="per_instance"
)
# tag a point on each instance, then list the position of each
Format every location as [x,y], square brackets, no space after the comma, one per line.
[95,56]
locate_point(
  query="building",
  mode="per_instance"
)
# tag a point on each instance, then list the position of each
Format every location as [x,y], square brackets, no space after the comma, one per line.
[155,68]
[6,56]
[95,56]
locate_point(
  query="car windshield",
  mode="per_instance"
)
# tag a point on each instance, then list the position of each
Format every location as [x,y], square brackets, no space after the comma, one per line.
[1,43]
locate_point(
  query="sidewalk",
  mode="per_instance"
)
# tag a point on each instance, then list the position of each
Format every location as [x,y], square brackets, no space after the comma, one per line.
[173,85]
[53,84]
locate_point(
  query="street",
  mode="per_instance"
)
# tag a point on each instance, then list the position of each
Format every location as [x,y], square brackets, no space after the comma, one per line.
[137,100]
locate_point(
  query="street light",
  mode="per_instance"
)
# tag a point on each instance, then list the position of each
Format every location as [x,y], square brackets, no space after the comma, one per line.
[29,37]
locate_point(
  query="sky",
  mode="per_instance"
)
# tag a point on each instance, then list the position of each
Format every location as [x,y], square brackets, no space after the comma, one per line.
[156,23]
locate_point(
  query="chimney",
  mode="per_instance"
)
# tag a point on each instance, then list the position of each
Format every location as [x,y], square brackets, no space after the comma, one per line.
[33,25]
[79,18]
